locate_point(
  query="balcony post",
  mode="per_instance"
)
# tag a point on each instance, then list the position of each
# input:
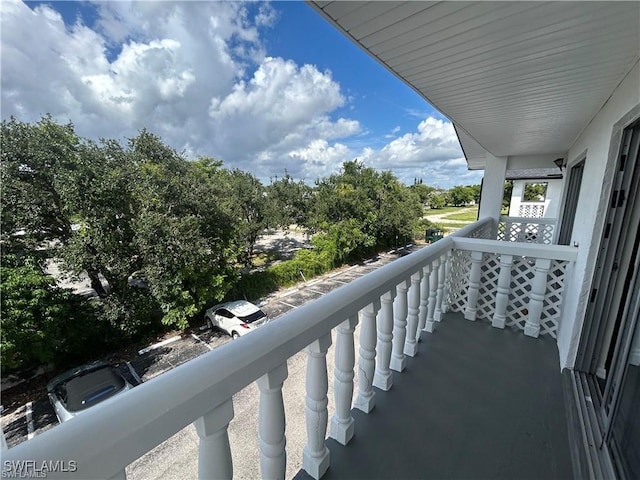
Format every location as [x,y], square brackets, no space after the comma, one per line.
[342,421]
[271,424]
[315,456]
[447,279]
[365,400]
[536,301]
[433,285]
[214,452]
[398,360]
[410,344]
[424,301]
[502,295]
[383,378]
[437,315]
[474,286]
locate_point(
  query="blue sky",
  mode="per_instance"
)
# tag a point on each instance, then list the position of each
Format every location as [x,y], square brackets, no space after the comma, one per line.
[261,86]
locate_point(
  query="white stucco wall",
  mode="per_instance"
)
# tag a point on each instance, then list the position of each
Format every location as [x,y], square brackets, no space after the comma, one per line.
[599,142]
[551,202]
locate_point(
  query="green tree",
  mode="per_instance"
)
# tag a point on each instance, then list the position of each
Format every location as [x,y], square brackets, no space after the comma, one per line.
[288,202]
[460,195]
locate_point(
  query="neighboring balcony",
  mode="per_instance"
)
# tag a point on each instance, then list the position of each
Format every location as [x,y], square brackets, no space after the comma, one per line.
[476,397]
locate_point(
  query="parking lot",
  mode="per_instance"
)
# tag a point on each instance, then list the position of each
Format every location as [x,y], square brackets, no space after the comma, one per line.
[23,421]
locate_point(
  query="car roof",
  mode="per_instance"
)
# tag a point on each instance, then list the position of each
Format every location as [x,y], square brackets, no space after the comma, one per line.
[74,372]
[93,387]
[239,307]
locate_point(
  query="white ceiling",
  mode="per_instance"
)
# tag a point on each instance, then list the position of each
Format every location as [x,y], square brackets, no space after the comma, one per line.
[516,78]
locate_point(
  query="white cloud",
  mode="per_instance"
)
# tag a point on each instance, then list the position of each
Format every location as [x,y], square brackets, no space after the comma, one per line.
[198,75]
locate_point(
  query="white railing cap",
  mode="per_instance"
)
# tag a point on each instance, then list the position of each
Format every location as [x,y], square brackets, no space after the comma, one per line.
[534,250]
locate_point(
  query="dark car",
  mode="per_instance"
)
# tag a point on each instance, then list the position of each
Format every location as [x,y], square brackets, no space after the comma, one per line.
[80,388]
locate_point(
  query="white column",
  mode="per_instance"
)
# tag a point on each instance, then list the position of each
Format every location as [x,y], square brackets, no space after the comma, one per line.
[365,400]
[271,424]
[437,316]
[315,456]
[214,452]
[474,286]
[410,344]
[536,300]
[433,286]
[492,189]
[383,378]
[424,301]
[447,280]
[342,422]
[398,360]
[503,289]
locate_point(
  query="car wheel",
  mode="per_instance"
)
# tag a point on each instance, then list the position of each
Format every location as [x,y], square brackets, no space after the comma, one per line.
[209,324]
[234,335]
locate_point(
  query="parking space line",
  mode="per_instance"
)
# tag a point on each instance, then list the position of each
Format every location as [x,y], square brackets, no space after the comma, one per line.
[202,341]
[290,292]
[287,304]
[29,415]
[159,344]
[340,281]
[134,373]
[334,274]
[316,291]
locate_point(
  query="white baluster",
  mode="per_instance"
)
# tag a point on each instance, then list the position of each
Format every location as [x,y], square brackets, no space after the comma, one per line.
[271,423]
[398,360]
[410,344]
[503,289]
[342,422]
[447,280]
[383,378]
[536,300]
[214,452]
[474,286]
[437,315]
[424,301]
[315,456]
[433,286]
[365,400]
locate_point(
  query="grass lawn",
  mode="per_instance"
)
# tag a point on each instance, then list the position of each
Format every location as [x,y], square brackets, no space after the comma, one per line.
[468,216]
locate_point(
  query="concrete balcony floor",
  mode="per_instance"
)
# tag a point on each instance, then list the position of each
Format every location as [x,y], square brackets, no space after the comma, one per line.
[476,402]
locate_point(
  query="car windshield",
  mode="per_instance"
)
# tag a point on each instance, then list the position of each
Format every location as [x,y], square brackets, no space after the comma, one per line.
[90,388]
[253,317]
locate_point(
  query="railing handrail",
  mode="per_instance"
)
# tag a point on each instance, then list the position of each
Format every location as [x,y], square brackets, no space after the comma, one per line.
[140,419]
[536,250]
[540,221]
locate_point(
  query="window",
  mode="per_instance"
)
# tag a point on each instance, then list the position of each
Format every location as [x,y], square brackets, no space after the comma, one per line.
[534,192]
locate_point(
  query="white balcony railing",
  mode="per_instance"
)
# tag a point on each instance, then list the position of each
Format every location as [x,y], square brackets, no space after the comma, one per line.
[394,305]
[526,229]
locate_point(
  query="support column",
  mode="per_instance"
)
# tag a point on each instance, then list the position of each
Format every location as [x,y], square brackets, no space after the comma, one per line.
[271,424]
[447,280]
[437,316]
[536,301]
[433,286]
[474,286]
[315,456]
[214,452]
[398,360]
[503,289]
[410,344]
[365,399]
[424,301]
[342,423]
[383,378]
[495,172]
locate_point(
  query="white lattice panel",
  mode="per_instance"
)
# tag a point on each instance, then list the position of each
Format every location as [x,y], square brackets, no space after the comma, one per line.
[490,269]
[459,280]
[531,211]
[522,274]
[526,232]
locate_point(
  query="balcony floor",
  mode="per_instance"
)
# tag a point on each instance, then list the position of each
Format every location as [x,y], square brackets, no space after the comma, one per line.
[476,402]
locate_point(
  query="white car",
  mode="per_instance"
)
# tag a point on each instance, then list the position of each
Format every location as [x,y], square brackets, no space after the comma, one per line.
[80,388]
[236,318]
